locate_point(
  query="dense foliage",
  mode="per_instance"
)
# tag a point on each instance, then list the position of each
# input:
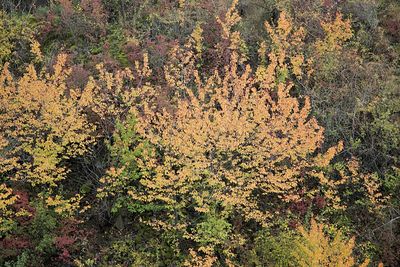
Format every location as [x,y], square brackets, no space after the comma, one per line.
[199,133]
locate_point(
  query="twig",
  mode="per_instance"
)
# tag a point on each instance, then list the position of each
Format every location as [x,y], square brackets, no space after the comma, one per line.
[392,220]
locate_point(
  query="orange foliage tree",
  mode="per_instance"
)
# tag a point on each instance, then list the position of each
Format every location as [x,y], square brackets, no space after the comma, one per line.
[233,138]
[233,142]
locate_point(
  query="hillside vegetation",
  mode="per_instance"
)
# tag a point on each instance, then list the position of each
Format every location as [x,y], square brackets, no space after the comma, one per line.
[199,133]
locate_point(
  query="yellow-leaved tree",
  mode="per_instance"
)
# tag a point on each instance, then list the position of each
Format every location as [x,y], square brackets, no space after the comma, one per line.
[316,248]
[42,126]
[6,214]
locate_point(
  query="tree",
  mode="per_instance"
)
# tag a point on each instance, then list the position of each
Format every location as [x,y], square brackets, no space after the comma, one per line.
[42,127]
[235,143]
[234,138]
[315,248]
